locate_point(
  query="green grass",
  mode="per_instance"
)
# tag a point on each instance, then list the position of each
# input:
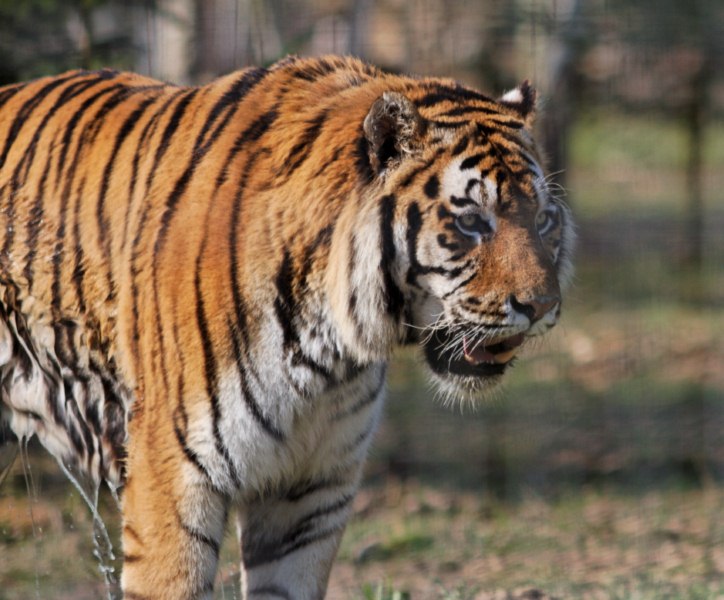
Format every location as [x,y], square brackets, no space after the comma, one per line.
[586,544]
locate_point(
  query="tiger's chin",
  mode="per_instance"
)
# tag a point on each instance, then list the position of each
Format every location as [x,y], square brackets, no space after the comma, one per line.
[465,372]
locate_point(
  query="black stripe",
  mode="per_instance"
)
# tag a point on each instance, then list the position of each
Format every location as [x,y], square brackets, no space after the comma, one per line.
[440,93]
[211,371]
[285,303]
[472,161]
[442,242]
[352,300]
[285,307]
[414,224]
[466,110]
[434,98]
[475,182]
[462,202]
[463,283]
[251,404]
[85,430]
[92,128]
[131,531]
[234,224]
[251,134]
[180,420]
[73,123]
[146,135]
[361,157]
[432,187]
[301,359]
[227,104]
[394,299]
[79,268]
[361,437]
[114,416]
[306,523]
[323,239]
[7,93]
[131,558]
[362,403]
[189,452]
[300,152]
[23,114]
[420,169]
[327,163]
[169,131]
[308,540]
[312,71]
[500,178]
[493,127]
[312,486]
[35,219]
[103,223]
[461,146]
[448,124]
[199,536]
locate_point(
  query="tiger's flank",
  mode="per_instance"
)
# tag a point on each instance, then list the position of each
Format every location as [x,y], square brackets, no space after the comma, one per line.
[200,288]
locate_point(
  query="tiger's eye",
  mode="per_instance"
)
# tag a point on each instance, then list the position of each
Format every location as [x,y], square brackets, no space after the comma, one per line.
[473,224]
[546,219]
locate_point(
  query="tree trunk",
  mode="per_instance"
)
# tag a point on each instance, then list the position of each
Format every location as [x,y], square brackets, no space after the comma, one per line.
[694,120]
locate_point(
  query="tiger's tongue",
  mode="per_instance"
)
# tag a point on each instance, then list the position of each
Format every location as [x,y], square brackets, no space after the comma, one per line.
[504,350]
[477,354]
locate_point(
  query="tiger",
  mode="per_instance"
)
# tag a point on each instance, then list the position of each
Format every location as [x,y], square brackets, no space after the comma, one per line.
[201,288]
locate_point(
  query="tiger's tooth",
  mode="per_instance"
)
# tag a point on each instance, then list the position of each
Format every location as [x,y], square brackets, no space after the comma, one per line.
[504,357]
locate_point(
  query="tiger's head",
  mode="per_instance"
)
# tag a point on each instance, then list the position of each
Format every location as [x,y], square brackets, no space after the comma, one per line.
[460,245]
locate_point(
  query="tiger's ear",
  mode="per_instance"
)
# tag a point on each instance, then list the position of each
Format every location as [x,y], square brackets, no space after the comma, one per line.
[393,128]
[522,100]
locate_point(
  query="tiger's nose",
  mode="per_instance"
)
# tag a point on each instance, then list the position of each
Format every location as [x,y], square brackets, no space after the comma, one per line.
[534,308]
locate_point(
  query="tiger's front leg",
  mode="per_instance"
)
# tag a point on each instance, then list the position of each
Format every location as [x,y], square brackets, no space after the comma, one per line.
[173,520]
[288,544]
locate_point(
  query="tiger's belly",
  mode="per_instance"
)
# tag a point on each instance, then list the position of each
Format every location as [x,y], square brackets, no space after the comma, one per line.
[57,385]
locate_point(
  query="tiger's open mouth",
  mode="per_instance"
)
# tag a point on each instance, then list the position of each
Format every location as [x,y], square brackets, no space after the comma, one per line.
[469,358]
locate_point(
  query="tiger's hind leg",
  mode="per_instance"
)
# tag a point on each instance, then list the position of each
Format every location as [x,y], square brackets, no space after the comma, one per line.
[173,523]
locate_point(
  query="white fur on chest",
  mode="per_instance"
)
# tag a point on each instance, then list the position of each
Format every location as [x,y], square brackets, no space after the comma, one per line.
[320,435]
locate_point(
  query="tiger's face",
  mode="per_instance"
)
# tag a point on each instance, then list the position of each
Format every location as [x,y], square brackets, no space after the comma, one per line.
[482,248]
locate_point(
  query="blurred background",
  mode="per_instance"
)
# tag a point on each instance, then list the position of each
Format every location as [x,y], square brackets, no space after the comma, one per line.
[598,471]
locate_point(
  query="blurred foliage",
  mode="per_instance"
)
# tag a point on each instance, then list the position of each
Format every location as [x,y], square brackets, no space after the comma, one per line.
[40,37]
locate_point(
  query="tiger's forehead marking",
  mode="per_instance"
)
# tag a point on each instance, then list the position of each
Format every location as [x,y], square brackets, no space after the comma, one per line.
[484,191]
[468,183]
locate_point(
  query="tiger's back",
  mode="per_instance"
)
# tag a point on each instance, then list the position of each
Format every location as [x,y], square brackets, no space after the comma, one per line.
[200,288]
